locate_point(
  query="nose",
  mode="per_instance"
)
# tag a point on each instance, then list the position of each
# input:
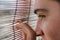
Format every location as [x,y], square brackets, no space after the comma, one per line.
[38,30]
[39,4]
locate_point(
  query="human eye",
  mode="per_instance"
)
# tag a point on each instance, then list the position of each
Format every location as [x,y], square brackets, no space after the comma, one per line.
[42,16]
[41,13]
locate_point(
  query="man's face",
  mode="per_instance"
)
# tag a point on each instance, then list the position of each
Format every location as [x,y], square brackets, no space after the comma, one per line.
[48,13]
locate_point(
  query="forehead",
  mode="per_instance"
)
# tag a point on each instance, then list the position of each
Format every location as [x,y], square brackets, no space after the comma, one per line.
[46,4]
[39,3]
[42,3]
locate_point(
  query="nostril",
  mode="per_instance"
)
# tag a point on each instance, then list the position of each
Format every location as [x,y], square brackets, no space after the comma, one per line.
[39,33]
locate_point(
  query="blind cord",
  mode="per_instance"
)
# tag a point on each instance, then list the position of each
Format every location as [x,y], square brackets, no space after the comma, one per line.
[29,11]
[14,18]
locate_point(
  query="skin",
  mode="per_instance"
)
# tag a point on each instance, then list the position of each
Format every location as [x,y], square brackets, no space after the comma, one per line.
[48,24]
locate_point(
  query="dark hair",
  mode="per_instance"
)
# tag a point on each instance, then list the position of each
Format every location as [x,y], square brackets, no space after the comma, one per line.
[58,1]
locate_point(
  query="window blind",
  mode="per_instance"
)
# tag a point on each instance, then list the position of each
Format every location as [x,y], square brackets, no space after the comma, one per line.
[10,10]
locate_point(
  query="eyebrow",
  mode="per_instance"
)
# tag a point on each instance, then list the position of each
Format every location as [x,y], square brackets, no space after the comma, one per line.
[35,11]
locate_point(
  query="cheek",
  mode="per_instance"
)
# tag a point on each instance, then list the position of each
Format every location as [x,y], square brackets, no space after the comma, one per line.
[51,28]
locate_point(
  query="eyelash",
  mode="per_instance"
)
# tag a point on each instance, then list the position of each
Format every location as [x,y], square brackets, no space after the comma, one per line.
[42,16]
